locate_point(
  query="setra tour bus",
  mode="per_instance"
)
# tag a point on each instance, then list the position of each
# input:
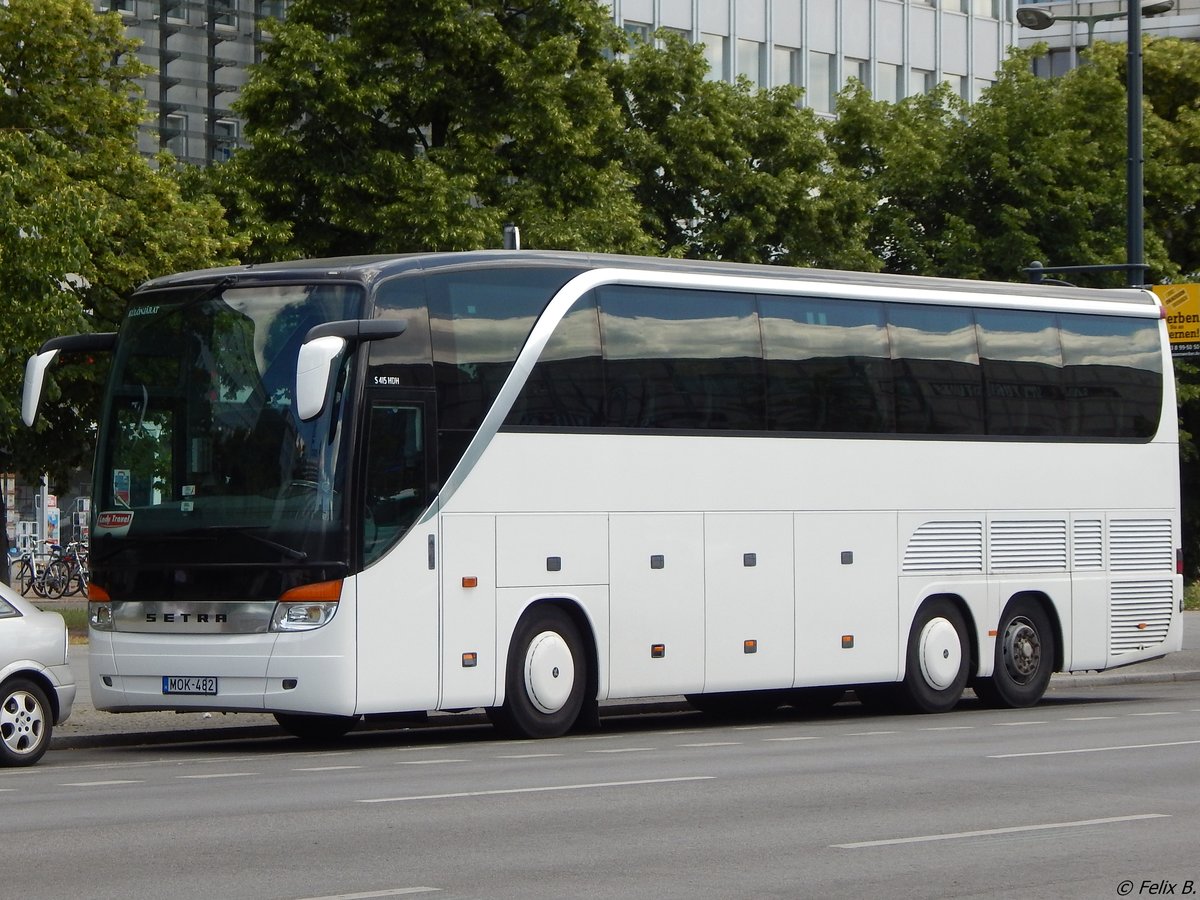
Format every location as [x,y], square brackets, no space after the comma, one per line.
[532,481]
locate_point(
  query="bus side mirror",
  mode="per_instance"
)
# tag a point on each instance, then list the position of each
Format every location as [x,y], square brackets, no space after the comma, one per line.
[35,377]
[323,345]
[36,366]
[315,371]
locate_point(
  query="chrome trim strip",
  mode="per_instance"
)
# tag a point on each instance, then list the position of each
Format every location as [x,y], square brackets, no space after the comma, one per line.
[192,617]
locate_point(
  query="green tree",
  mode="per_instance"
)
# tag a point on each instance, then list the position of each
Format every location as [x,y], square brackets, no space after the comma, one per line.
[378,127]
[732,172]
[83,217]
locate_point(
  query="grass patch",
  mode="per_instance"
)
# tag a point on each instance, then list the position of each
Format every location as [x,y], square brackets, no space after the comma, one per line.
[1191,595]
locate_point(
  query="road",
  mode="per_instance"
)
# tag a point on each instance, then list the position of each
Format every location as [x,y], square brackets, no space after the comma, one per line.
[1095,787]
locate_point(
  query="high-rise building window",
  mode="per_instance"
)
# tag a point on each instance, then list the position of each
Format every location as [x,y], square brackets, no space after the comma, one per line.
[750,56]
[920,81]
[639,30]
[821,80]
[856,68]
[887,82]
[224,13]
[785,66]
[225,135]
[716,54]
[175,137]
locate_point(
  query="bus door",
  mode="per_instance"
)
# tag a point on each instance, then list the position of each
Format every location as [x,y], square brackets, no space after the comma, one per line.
[398,585]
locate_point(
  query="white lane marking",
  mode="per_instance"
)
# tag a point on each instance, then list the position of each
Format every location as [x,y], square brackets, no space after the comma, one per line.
[1089,718]
[1015,724]
[97,783]
[809,737]
[623,750]
[1161,713]
[539,790]
[526,755]
[220,775]
[325,768]
[366,895]
[1015,829]
[949,728]
[714,744]
[1094,749]
[427,762]
[752,727]
[868,733]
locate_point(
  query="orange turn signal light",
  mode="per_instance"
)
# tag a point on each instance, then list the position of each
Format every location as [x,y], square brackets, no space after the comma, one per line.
[327,591]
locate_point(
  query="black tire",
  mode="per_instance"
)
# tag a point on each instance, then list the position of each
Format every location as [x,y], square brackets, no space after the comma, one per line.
[55,579]
[26,722]
[316,729]
[546,678]
[938,660]
[24,578]
[1025,651]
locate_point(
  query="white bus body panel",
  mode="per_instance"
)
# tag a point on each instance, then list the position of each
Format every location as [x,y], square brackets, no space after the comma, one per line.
[846,589]
[657,598]
[749,591]
[468,612]
[398,614]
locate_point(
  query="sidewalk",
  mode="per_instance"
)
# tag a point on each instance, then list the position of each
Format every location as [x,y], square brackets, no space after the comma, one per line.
[88,727]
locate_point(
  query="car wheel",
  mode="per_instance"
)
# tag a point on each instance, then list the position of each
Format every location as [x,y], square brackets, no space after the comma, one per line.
[26,723]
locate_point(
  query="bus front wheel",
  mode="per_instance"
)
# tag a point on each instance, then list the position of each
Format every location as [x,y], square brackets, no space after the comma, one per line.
[546,676]
[938,658]
[1024,657]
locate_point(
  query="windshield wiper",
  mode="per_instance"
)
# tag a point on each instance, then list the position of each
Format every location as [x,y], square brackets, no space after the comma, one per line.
[246,531]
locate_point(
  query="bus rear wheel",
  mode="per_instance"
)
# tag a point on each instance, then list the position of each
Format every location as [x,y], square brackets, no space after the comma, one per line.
[546,676]
[1024,657]
[938,658]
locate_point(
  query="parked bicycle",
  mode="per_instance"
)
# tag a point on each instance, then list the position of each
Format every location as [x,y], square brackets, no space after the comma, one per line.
[69,567]
[36,572]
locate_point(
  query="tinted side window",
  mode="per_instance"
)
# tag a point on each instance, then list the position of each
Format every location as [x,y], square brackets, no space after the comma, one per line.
[827,365]
[566,387]
[935,363]
[1022,372]
[681,359]
[403,361]
[479,320]
[1112,376]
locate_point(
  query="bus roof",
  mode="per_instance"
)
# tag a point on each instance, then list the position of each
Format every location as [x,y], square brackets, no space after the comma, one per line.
[369,269]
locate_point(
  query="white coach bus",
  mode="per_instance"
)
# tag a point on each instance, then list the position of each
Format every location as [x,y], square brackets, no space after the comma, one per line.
[530,482]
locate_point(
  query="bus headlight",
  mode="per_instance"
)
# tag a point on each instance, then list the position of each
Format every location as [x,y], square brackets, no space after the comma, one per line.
[301,616]
[100,616]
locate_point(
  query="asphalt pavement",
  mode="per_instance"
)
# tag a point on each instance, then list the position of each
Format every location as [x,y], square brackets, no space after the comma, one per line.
[89,727]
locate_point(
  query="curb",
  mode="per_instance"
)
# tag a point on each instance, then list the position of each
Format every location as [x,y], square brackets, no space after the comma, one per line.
[619,708]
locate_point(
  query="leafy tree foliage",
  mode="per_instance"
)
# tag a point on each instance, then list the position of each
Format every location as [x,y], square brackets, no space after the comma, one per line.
[732,172]
[378,127]
[83,217]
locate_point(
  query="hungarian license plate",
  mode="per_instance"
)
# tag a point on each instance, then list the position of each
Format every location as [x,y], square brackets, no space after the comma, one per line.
[189,684]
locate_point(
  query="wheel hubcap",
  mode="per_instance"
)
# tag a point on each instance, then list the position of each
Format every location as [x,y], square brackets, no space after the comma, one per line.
[22,722]
[1022,649]
[549,671]
[940,653]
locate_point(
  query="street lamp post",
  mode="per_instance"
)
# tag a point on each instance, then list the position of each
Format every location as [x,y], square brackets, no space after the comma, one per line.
[1037,19]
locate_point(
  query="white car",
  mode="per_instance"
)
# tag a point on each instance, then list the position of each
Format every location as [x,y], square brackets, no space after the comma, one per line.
[37,688]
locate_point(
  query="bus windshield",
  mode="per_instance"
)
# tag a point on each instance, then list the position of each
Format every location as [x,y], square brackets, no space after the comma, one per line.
[201,457]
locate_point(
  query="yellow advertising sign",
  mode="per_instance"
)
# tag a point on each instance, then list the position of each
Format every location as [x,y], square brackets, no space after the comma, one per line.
[1183,316]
